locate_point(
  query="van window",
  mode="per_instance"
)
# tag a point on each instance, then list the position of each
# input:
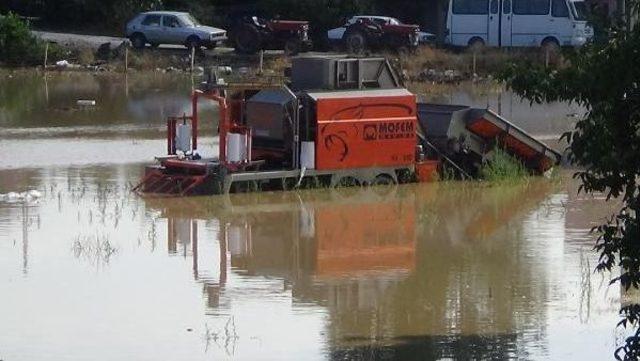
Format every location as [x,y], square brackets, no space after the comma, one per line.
[579,10]
[495,6]
[470,7]
[559,9]
[506,6]
[151,20]
[531,7]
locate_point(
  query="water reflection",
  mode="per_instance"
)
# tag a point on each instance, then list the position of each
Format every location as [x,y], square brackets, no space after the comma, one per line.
[400,270]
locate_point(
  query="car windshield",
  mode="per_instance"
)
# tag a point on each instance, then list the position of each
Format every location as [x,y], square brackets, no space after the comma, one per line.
[579,9]
[189,20]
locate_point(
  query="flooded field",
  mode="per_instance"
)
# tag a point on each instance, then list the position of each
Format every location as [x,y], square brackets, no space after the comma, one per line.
[89,271]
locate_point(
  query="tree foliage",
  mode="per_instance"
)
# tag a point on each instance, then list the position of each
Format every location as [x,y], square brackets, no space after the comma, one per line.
[17,45]
[605,145]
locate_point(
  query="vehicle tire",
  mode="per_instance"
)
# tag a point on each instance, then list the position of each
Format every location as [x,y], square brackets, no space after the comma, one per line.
[154,45]
[550,45]
[476,45]
[193,42]
[383,184]
[292,47]
[212,46]
[247,39]
[356,42]
[383,179]
[348,181]
[138,40]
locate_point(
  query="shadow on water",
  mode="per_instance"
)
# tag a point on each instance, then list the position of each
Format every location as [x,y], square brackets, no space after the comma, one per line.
[413,348]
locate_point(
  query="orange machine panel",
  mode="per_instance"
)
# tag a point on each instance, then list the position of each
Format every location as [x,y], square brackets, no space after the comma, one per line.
[365,131]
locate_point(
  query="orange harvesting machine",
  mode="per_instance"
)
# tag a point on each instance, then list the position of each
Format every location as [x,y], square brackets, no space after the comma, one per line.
[340,121]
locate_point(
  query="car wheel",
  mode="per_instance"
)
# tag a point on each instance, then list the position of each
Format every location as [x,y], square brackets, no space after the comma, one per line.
[193,42]
[356,42]
[212,46]
[138,41]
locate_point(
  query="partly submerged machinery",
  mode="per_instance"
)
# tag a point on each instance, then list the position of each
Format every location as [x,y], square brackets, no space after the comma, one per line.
[341,121]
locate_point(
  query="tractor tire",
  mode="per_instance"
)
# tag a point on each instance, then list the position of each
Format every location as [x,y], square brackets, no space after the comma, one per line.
[356,42]
[292,47]
[138,40]
[247,39]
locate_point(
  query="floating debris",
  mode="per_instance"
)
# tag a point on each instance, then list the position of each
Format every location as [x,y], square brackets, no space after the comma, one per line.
[19,197]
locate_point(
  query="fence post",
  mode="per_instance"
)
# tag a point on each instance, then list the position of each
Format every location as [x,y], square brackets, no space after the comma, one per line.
[546,56]
[261,68]
[126,58]
[46,55]
[193,56]
[475,54]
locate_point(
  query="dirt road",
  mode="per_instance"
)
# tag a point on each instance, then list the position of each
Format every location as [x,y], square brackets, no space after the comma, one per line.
[78,40]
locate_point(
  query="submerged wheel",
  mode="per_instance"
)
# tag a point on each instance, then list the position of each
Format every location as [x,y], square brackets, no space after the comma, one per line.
[383,180]
[383,184]
[245,187]
[311,183]
[348,181]
[288,184]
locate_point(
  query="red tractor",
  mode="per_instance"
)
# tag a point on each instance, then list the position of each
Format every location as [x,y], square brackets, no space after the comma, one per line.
[375,32]
[251,34]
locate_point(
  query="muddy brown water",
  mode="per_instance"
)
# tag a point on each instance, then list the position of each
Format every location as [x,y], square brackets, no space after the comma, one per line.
[416,272]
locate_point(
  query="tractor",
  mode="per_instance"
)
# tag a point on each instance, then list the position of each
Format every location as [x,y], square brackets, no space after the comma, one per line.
[376,33]
[251,34]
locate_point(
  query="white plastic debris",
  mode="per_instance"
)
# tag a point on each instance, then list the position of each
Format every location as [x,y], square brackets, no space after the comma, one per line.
[86,102]
[62,63]
[15,197]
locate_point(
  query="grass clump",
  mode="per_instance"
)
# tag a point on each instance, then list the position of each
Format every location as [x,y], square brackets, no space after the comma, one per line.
[503,167]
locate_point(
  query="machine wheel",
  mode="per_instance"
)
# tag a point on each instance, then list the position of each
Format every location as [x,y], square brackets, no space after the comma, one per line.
[245,187]
[476,45]
[383,184]
[138,40]
[247,39]
[383,180]
[348,181]
[193,42]
[288,184]
[292,47]
[356,42]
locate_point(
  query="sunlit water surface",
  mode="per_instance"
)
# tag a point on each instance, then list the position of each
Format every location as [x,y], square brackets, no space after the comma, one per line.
[429,271]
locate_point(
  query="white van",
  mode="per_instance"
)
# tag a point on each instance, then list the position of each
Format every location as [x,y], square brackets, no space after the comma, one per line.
[517,23]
